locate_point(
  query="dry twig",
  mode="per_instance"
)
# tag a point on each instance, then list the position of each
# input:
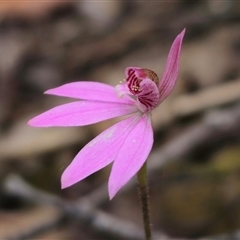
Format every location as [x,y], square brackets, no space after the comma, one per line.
[82,211]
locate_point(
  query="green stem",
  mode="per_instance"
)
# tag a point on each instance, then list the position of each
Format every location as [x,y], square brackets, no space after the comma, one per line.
[143,193]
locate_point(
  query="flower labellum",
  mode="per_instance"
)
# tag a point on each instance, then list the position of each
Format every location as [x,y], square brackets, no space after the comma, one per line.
[127,143]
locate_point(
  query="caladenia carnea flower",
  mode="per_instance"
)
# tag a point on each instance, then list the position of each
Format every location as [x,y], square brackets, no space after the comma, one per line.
[127,143]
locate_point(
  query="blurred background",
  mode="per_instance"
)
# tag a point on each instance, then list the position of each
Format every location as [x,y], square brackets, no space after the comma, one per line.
[194,167]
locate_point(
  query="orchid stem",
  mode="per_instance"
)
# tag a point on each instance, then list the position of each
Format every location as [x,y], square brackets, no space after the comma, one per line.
[143,194]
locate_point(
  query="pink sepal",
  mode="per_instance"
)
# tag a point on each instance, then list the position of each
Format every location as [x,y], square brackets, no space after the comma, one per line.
[94,91]
[81,113]
[132,154]
[171,69]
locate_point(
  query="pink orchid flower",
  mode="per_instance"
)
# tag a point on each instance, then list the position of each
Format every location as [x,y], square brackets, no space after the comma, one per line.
[127,143]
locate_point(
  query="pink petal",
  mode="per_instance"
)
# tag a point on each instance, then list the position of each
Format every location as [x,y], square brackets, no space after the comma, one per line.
[171,69]
[81,113]
[132,155]
[98,153]
[148,98]
[89,91]
[137,71]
